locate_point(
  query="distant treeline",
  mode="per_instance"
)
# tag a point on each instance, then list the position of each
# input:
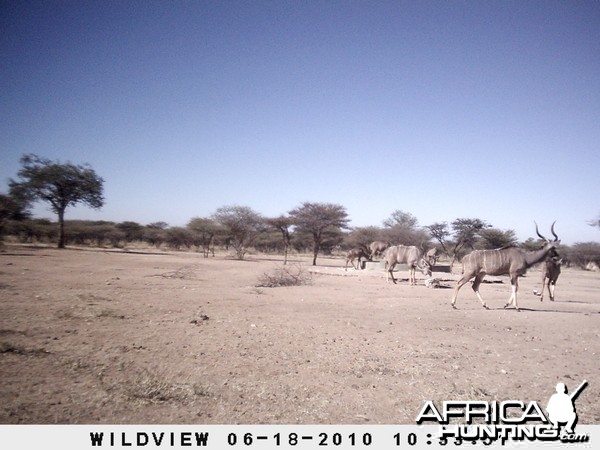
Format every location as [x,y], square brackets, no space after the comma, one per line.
[158,235]
[205,235]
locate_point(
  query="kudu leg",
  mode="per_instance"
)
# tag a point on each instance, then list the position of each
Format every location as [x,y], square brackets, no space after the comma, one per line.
[476,283]
[551,287]
[390,273]
[514,281]
[456,289]
[460,283]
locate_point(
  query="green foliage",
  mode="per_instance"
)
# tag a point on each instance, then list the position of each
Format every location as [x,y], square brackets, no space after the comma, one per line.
[203,232]
[440,232]
[466,231]
[132,231]
[406,236]
[32,230]
[363,236]
[98,233]
[11,209]
[401,219]
[155,233]
[492,238]
[282,224]
[403,228]
[242,224]
[60,185]
[269,242]
[322,221]
[177,237]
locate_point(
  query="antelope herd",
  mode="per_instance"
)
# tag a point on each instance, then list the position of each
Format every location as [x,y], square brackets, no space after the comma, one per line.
[511,261]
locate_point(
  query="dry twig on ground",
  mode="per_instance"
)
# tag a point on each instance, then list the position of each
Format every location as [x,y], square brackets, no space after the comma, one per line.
[288,275]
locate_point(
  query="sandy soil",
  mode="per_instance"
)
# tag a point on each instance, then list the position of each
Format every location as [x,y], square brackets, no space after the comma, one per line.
[91,336]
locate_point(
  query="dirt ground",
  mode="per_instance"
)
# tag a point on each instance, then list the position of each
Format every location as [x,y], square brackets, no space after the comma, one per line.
[93,336]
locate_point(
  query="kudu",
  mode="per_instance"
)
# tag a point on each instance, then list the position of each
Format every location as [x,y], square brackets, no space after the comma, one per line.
[378,247]
[550,273]
[411,256]
[510,261]
[432,256]
[358,252]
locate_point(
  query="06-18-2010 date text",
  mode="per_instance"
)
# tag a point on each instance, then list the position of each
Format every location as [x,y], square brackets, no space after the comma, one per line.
[293,439]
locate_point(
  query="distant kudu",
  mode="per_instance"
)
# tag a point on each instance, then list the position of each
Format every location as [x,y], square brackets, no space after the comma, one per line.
[510,261]
[378,247]
[411,256]
[550,273]
[358,252]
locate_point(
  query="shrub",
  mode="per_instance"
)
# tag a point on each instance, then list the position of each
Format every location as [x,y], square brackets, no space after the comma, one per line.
[583,253]
[288,275]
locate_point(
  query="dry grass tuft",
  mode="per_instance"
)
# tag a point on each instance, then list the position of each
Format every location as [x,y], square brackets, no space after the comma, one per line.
[110,313]
[156,389]
[7,347]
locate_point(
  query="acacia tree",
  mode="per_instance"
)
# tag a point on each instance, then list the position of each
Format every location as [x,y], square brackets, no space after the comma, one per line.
[60,185]
[439,231]
[282,224]
[465,234]
[399,218]
[316,219]
[203,234]
[403,228]
[242,224]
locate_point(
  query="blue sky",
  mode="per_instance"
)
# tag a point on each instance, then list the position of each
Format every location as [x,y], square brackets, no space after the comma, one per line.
[444,109]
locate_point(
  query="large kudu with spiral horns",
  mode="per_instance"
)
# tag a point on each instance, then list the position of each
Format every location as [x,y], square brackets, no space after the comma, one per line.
[511,261]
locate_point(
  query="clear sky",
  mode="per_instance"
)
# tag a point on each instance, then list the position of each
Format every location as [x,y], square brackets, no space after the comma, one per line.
[443,109]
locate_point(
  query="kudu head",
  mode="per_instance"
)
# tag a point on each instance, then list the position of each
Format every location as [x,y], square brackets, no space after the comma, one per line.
[424,266]
[432,256]
[364,252]
[549,245]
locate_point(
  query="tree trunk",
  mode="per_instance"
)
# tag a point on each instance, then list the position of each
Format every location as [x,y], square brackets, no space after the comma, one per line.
[452,261]
[61,228]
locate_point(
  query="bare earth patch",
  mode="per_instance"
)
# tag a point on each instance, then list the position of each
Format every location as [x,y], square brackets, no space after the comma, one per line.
[91,336]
